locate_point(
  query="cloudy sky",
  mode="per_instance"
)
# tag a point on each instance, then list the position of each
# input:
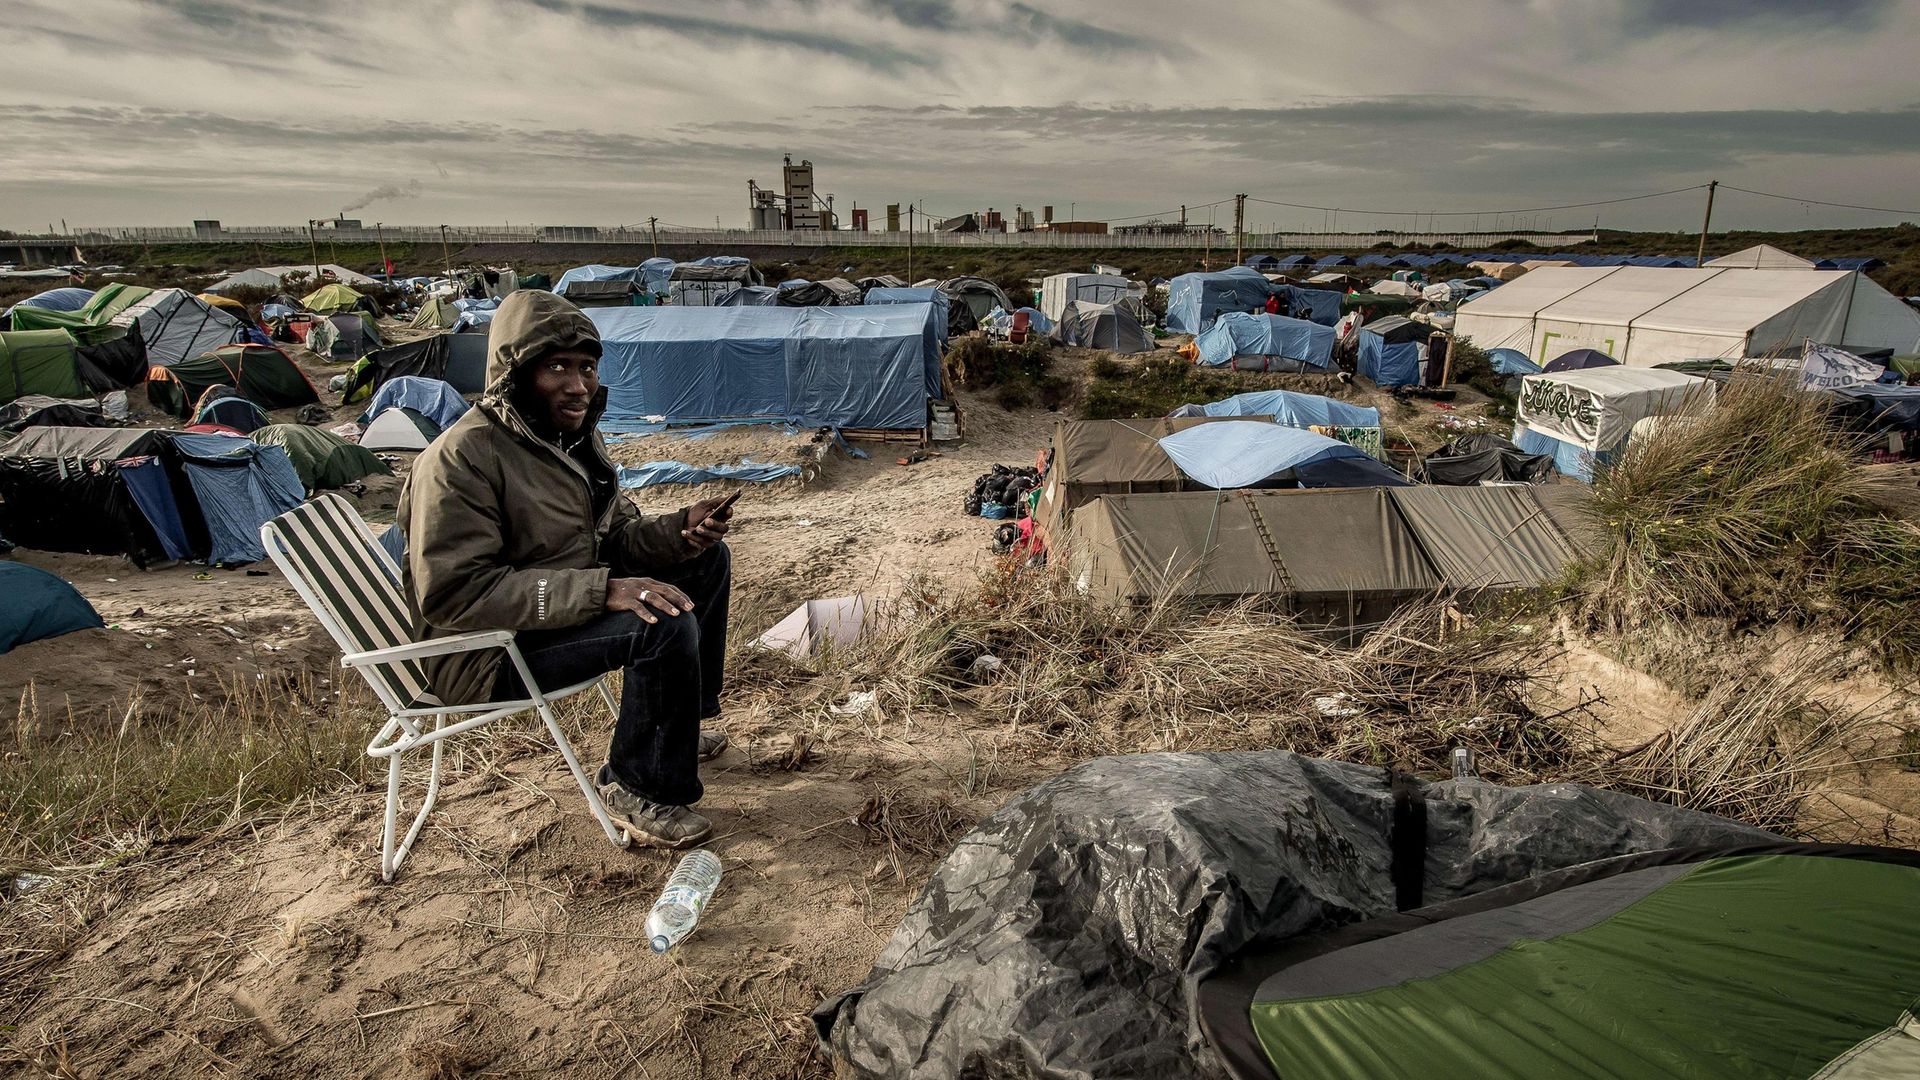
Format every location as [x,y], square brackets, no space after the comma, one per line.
[124,112]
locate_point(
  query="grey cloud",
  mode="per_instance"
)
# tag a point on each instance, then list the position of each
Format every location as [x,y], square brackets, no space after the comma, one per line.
[721,31]
[1788,15]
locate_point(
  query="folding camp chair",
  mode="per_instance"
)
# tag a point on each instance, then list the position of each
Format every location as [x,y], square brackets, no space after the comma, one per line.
[353,587]
[1022,324]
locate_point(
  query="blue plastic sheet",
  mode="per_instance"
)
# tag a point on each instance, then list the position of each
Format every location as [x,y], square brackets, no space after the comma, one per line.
[751,296]
[1195,300]
[1388,365]
[1569,459]
[1240,339]
[241,485]
[1319,305]
[1240,455]
[1289,408]
[1511,362]
[431,398]
[856,367]
[66,298]
[152,492]
[679,472]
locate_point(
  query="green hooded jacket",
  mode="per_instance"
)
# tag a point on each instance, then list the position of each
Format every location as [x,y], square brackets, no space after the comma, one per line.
[500,528]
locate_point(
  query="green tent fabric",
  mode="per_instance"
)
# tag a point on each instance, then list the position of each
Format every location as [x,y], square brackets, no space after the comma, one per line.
[1789,961]
[323,460]
[265,376]
[39,362]
[435,314]
[1381,303]
[92,323]
[332,299]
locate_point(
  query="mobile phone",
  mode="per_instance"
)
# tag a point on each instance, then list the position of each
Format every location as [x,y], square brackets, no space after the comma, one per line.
[729,500]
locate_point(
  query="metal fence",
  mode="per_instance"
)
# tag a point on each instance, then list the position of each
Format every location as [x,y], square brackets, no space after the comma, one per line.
[730,238]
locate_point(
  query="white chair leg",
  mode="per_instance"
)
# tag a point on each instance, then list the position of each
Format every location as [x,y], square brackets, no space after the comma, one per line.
[387,861]
[614,832]
[606,695]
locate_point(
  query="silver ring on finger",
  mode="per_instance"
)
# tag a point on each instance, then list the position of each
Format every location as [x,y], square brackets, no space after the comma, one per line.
[644,594]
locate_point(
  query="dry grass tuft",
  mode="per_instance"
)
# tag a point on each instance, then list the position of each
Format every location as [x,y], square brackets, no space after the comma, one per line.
[915,828]
[442,1059]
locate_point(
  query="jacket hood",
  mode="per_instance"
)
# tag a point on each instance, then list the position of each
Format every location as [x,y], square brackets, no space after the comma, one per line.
[529,324]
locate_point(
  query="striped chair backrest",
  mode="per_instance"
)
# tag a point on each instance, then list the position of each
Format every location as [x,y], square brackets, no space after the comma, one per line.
[324,544]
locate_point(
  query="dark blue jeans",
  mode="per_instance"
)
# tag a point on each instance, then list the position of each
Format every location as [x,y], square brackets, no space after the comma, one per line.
[673,672]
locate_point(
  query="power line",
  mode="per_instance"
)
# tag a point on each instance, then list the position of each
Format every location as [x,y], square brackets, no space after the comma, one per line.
[1817,202]
[1190,208]
[1482,213]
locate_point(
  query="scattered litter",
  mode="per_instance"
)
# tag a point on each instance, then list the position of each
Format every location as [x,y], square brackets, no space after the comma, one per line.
[114,580]
[25,883]
[804,522]
[914,458]
[985,667]
[231,632]
[1340,704]
[858,702]
[192,672]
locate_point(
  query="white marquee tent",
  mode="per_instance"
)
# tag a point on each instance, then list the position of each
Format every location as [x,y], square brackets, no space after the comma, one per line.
[1644,316]
[1763,257]
[1059,290]
[269,277]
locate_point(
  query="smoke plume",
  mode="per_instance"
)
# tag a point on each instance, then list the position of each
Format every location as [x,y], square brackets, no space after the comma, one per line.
[407,190]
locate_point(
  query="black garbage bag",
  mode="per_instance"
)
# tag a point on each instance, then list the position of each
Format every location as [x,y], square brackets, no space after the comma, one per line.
[1065,937]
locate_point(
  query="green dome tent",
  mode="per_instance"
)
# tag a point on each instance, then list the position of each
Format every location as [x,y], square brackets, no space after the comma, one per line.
[333,299]
[39,362]
[263,375]
[323,459]
[435,314]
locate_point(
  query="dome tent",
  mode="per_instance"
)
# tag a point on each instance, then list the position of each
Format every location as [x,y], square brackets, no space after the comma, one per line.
[39,606]
[264,375]
[322,459]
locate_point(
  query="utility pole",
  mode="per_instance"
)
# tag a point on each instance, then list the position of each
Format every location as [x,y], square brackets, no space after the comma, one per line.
[1701,258]
[313,248]
[1239,226]
[653,224]
[446,253]
[381,238]
[909,243]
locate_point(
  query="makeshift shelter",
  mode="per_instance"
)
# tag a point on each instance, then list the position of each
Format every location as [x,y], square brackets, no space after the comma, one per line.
[231,306]
[336,298]
[1579,360]
[1059,290]
[102,491]
[1391,350]
[867,367]
[956,319]
[816,625]
[1091,458]
[1646,316]
[621,292]
[1489,539]
[1194,301]
[1102,326]
[175,325]
[879,281]
[751,296]
[1510,362]
[263,374]
[979,295]
[342,338]
[1262,263]
[431,398]
[705,283]
[91,322]
[1289,408]
[274,277]
[1485,458]
[459,360]
[52,363]
[65,298]
[1245,341]
[38,410]
[598,272]
[1762,257]
[1584,417]
[1115,897]
[435,313]
[399,429]
[39,606]
[241,485]
[320,458]
[1272,455]
[1499,271]
[829,292]
[223,405]
[1314,305]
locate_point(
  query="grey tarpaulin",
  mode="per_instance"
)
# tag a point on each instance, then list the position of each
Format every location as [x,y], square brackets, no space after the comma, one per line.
[1064,937]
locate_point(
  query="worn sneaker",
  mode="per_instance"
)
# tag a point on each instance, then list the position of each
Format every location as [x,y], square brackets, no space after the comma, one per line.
[651,823]
[712,744]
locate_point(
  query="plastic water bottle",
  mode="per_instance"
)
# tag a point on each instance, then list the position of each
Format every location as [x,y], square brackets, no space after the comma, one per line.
[1463,764]
[678,910]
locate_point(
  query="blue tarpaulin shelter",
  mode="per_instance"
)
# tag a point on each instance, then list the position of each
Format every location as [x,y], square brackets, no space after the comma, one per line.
[1511,362]
[152,492]
[1314,305]
[1195,300]
[1262,262]
[434,399]
[940,301]
[650,275]
[1243,455]
[679,472]
[1241,340]
[857,367]
[1289,408]
[66,298]
[1390,351]
[751,296]
[241,485]
[1569,459]
[39,605]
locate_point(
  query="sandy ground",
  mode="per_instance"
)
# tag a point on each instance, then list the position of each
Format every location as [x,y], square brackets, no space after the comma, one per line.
[511,943]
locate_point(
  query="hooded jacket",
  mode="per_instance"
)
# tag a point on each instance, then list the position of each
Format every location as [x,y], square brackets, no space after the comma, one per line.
[499,523]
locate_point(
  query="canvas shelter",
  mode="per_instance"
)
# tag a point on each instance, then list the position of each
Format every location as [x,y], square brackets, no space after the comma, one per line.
[1646,316]
[1272,455]
[958,318]
[39,606]
[320,458]
[1262,263]
[399,429]
[460,360]
[705,283]
[879,281]
[828,292]
[1245,341]
[38,410]
[262,374]
[435,313]
[274,277]
[1763,257]
[102,491]
[1059,290]
[1102,326]
[857,367]
[1289,408]
[614,293]
[1194,301]
[751,296]
[241,485]
[175,325]
[1392,350]
[1314,305]
[978,294]
[1584,417]
[1091,458]
[342,338]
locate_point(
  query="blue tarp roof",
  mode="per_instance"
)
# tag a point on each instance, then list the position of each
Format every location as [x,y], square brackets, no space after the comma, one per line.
[1511,362]
[1289,408]
[1315,305]
[1262,262]
[1334,260]
[241,485]
[39,605]
[1239,334]
[651,275]
[1388,365]
[67,298]
[859,367]
[434,399]
[1240,455]
[1194,300]
[1295,260]
[751,296]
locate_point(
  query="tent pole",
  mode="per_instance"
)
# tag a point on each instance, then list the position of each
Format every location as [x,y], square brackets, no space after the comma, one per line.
[1701,259]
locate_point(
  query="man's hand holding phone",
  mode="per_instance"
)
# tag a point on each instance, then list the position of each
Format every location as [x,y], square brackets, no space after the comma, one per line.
[707,521]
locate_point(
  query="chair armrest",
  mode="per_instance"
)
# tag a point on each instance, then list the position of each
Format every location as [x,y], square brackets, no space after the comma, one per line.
[415,650]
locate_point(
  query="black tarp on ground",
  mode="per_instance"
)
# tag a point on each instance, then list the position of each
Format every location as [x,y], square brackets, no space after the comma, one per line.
[1471,459]
[459,360]
[114,364]
[1065,937]
[38,410]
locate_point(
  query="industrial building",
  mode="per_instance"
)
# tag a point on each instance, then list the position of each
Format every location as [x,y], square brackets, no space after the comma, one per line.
[796,206]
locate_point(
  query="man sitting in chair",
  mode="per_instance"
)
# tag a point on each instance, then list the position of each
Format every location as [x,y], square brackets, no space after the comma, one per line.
[514,520]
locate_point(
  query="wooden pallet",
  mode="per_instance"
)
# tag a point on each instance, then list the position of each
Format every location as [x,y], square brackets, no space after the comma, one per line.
[889,435]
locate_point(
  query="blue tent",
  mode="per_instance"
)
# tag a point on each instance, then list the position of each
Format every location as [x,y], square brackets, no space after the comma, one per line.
[1289,408]
[1334,260]
[751,296]
[1292,262]
[66,298]
[1242,340]
[240,485]
[1569,459]
[1194,300]
[1262,262]
[1390,352]
[235,412]
[1511,362]
[1374,260]
[884,296]
[1314,305]
[39,605]
[434,399]
[858,367]
[1244,455]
